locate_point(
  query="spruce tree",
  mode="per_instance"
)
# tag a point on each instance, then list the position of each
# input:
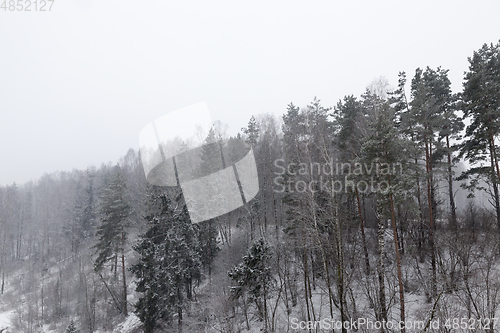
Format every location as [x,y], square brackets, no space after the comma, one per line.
[169,261]
[208,244]
[82,226]
[112,233]
[252,132]
[254,276]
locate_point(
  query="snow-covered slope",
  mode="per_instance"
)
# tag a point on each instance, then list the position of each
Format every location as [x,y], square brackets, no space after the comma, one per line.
[5,319]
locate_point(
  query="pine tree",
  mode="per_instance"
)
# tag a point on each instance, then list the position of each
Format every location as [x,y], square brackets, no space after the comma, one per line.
[408,126]
[451,128]
[307,136]
[482,106]
[350,126]
[431,95]
[386,148]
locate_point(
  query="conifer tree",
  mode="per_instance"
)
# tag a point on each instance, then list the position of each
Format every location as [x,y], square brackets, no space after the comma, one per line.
[482,106]
[212,160]
[430,97]
[451,128]
[209,246]
[84,217]
[169,261]
[407,126]
[112,233]
[387,149]
[252,132]
[350,129]
[254,276]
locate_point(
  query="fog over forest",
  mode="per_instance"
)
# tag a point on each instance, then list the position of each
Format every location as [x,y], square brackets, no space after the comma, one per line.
[380,213]
[262,167]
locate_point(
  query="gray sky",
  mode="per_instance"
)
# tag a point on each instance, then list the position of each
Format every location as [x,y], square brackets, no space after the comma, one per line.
[78,83]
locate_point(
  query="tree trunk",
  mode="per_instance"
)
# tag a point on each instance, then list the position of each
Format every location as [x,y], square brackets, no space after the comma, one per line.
[179,307]
[453,209]
[306,278]
[493,150]
[124,300]
[421,229]
[398,260]
[363,239]
[340,269]
[327,272]
[428,165]
[495,178]
[265,309]
[381,269]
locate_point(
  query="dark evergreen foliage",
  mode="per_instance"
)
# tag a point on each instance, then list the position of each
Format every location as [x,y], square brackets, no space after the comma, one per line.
[254,275]
[170,262]
[114,217]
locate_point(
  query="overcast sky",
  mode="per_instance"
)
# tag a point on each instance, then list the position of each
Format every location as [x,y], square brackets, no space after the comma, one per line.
[78,83]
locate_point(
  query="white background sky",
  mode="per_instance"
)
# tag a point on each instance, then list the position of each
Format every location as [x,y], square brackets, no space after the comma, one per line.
[78,83]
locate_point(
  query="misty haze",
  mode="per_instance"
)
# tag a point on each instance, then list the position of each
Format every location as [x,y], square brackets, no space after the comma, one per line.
[242,168]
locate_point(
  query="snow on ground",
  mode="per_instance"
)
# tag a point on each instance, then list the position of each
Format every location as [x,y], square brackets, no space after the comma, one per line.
[129,325]
[5,319]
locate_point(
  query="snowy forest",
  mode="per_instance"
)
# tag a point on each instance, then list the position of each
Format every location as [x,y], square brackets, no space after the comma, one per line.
[382,210]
